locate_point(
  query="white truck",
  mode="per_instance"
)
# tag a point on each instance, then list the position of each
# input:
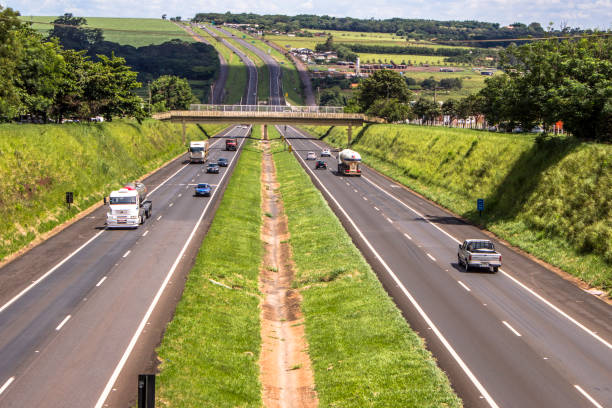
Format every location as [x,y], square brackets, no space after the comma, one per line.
[348,163]
[128,206]
[198,151]
[479,253]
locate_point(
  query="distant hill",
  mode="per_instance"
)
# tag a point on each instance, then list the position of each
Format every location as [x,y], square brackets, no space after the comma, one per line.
[448,32]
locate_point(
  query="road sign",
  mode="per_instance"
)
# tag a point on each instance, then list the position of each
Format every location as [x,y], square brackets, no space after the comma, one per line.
[69,198]
[480,205]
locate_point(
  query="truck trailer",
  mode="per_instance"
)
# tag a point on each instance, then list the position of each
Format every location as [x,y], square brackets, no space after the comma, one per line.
[348,163]
[198,151]
[128,206]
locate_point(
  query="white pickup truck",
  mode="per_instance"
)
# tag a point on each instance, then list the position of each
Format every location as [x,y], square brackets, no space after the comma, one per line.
[479,253]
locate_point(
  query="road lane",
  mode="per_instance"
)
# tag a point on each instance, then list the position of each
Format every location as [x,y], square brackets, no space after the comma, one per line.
[539,368]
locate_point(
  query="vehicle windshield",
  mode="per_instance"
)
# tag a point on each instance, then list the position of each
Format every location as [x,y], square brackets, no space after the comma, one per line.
[222,160]
[202,185]
[196,149]
[123,200]
[478,245]
[212,165]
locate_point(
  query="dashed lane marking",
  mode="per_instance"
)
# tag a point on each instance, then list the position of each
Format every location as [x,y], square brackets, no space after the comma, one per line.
[511,328]
[59,327]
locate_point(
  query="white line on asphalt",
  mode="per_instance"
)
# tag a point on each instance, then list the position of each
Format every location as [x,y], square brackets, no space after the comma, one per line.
[376,208]
[464,286]
[159,218]
[145,319]
[365,198]
[170,205]
[538,296]
[101,281]
[145,233]
[412,300]
[180,194]
[408,236]
[389,219]
[431,257]
[127,253]
[6,384]
[355,190]
[587,396]
[511,328]
[58,328]
[347,184]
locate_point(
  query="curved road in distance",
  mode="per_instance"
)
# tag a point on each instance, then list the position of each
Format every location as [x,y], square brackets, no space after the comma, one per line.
[276,84]
[250,97]
[82,334]
[523,337]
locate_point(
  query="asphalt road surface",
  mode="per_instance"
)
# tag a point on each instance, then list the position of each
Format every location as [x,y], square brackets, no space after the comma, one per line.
[81,313]
[276,85]
[250,97]
[523,337]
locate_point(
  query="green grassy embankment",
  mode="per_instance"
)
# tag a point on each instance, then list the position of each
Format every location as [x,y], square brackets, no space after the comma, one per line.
[211,348]
[551,197]
[41,162]
[363,351]
[237,71]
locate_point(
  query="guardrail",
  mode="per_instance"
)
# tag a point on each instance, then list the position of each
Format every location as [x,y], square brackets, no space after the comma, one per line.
[266,108]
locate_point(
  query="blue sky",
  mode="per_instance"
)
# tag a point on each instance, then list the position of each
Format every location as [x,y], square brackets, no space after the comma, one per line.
[574,13]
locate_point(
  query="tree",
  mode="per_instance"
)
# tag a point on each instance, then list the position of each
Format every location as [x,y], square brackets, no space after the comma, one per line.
[450,108]
[10,53]
[429,83]
[426,109]
[383,84]
[164,16]
[332,97]
[174,92]
[391,110]
[72,35]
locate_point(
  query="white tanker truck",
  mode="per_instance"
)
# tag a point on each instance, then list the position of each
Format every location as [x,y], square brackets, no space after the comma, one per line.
[128,206]
[348,163]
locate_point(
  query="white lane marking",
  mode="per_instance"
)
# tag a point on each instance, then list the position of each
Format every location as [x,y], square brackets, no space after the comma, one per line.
[408,236]
[347,184]
[180,194]
[170,205]
[147,315]
[37,281]
[355,190]
[389,219]
[59,326]
[538,296]
[101,282]
[376,208]
[6,384]
[159,218]
[145,233]
[192,180]
[127,253]
[587,396]
[431,257]
[365,198]
[412,300]
[464,286]
[511,328]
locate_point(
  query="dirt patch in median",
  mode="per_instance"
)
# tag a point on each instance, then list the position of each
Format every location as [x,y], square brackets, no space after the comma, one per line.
[285,369]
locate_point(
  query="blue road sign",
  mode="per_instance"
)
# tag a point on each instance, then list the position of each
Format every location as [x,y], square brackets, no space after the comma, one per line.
[480,204]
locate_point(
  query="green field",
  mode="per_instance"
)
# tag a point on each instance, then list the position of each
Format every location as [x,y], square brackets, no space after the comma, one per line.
[364,354]
[237,71]
[41,162]
[399,58]
[136,32]
[210,350]
[551,197]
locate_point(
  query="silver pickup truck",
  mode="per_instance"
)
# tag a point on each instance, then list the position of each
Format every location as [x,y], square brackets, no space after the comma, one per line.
[479,253]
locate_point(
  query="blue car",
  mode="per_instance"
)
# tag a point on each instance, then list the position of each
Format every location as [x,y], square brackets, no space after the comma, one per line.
[203,189]
[222,162]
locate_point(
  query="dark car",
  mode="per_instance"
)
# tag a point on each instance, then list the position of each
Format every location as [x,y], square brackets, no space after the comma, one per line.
[203,189]
[212,168]
[321,164]
[222,162]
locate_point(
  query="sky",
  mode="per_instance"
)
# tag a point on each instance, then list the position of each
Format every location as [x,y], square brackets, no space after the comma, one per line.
[572,13]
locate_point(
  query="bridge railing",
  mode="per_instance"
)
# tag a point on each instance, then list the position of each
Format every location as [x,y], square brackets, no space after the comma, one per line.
[266,108]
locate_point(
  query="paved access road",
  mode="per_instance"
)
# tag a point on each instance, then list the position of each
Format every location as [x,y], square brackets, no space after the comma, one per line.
[82,332]
[276,85]
[523,337]
[250,97]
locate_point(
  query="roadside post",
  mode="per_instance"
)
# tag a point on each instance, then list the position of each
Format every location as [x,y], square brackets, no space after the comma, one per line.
[480,206]
[146,390]
[69,198]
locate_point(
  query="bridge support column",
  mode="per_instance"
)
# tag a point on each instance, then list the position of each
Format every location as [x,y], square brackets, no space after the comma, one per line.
[264,132]
[350,134]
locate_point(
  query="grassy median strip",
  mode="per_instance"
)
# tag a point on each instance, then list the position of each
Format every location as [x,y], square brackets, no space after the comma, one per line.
[363,351]
[210,349]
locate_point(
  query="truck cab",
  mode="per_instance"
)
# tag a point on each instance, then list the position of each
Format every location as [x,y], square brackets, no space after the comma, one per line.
[231,144]
[198,151]
[128,207]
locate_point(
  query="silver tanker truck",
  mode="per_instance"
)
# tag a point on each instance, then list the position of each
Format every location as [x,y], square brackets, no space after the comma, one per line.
[348,163]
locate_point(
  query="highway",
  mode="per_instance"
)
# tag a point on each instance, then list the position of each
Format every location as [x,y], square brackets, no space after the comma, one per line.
[81,314]
[523,337]
[276,85]
[250,97]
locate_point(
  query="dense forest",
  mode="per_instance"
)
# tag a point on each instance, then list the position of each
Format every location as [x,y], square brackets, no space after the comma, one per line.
[441,31]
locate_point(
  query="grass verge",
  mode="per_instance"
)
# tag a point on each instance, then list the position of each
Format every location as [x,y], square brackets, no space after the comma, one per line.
[210,349]
[41,162]
[551,197]
[363,351]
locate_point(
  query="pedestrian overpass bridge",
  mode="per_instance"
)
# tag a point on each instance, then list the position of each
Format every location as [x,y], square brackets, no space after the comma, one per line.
[265,115]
